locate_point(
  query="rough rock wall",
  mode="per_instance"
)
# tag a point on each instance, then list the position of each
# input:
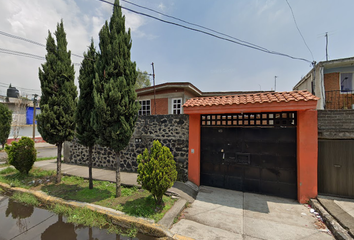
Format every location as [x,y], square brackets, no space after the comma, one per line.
[170,130]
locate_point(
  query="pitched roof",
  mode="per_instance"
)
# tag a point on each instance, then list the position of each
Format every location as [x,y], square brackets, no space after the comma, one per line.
[264,97]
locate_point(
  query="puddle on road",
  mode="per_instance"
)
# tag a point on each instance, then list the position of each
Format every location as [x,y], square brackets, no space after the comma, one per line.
[19,221]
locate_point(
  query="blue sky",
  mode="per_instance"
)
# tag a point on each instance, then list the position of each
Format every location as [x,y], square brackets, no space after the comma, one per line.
[182,55]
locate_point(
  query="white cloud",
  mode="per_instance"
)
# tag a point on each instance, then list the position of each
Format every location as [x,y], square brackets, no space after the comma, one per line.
[161,6]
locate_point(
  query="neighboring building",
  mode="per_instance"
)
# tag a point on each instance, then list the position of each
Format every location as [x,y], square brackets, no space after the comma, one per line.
[22,118]
[333,82]
[168,98]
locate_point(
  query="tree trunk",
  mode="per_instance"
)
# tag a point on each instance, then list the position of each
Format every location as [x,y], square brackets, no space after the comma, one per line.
[117,174]
[59,162]
[90,167]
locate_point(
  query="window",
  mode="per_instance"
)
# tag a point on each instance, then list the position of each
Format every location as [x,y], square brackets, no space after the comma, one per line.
[346,82]
[176,105]
[145,107]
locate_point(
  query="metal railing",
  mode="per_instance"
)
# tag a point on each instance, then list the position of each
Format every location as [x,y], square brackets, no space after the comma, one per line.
[336,99]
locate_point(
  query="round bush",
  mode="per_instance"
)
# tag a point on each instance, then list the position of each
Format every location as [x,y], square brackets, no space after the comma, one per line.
[22,154]
[157,170]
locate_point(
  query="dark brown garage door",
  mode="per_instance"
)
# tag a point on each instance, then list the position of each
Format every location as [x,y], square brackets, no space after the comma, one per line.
[250,152]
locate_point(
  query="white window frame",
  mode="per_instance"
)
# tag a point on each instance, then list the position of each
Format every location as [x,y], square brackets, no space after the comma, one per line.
[174,106]
[147,110]
[340,83]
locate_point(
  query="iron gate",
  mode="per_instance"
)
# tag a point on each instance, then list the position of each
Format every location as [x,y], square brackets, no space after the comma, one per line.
[251,152]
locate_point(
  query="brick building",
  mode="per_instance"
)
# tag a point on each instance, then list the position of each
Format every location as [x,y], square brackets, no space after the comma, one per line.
[168,98]
[333,82]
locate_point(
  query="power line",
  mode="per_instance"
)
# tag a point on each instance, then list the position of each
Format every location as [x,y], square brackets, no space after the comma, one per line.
[30,41]
[29,55]
[299,29]
[193,24]
[210,34]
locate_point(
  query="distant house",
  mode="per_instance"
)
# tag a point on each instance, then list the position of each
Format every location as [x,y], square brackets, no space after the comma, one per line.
[333,82]
[168,98]
[22,118]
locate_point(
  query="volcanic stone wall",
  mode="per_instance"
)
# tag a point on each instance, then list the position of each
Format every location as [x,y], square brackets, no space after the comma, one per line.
[170,130]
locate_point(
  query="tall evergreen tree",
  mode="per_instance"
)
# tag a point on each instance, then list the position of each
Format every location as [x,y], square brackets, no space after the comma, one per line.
[5,123]
[85,106]
[115,107]
[56,123]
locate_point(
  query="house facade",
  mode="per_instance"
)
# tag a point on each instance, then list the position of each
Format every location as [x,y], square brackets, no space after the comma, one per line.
[168,98]
[264,143]
[333,82]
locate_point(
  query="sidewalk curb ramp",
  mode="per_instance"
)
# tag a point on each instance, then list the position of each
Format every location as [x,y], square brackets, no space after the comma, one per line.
[144,226]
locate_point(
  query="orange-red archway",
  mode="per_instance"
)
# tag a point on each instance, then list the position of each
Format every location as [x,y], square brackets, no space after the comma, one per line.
[306,138]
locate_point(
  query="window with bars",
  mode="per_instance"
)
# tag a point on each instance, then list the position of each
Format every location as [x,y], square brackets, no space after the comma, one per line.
[176,105]
[249,119]
[145,108]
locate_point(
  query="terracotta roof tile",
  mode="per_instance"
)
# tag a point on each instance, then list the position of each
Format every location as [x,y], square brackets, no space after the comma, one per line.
[264,97]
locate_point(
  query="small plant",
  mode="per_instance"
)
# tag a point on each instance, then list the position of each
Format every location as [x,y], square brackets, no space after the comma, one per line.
[22,154]
[157,170]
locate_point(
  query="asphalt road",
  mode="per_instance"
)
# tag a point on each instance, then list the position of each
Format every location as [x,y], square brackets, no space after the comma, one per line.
[42,152]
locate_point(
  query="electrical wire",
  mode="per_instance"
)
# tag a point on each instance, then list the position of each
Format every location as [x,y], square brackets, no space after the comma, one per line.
[29,55]
[193,24]
[32,227]
[303,39]
[210,34]
[30,41]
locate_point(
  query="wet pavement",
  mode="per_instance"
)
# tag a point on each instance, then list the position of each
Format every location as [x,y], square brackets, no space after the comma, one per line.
[19,222]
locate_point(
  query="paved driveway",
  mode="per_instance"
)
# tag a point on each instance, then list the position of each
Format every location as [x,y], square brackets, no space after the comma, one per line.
[225,214]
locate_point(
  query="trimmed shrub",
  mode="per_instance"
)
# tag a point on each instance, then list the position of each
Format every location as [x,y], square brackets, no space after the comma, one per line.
[157,170]
[22,154]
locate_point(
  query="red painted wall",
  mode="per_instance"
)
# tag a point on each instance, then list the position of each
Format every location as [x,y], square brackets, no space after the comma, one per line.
[307,142]
[307,151]
[194,149]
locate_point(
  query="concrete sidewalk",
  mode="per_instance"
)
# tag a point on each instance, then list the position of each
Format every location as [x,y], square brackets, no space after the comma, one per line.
[225,214]
[127,179]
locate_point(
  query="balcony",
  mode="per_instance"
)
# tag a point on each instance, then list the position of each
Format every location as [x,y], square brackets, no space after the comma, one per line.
[339,100]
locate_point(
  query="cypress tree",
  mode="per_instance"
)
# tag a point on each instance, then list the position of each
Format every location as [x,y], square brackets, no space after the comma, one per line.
[85,106]
[116,108]
[56,123]
[5,123]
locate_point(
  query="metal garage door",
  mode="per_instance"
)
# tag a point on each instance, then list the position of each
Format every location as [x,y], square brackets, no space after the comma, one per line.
[336,167]
[250,152]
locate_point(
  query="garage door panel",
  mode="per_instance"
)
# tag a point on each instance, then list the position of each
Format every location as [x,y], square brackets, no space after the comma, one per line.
[269,187]
[288,162]
[234,183]
[251,185]
[287,190]
[287,176]
[269,161]
[270,174]
[286,149]
[252,159]
[234,170]
[212,180]
[252,173]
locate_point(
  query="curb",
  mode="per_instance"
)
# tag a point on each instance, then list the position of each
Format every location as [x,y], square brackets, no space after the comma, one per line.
[176,209]
[337,230]
[118,218]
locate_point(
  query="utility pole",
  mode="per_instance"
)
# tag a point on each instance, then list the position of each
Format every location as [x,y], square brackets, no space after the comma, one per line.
[326,46]
[153,77]
[275,83]
[34,116]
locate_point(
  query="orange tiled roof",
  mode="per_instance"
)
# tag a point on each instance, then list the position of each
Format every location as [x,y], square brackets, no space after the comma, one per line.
[264,97]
